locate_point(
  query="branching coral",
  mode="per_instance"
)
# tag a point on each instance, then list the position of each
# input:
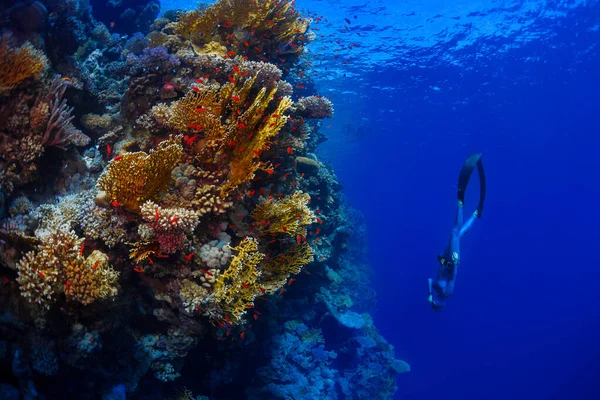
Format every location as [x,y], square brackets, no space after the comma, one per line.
[274,19]
[168,225]
[277,270]
[137,177]
[59,267]
[18,64]
[237,287]
[289,215]
[313,107]
[248,129]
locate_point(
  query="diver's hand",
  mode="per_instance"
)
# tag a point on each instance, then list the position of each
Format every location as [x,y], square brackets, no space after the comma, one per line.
[430,298]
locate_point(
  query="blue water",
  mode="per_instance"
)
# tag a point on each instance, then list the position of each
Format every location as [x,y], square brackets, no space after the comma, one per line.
[429,83]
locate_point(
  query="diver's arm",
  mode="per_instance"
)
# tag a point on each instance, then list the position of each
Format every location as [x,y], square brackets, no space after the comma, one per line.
[468,225]
[430,289]
[459,215]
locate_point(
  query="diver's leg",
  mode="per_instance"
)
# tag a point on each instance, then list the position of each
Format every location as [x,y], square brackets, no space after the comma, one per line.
[468,225]
[459,215]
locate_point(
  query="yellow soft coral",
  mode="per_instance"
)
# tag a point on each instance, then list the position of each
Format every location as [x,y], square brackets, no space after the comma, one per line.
[136,177]
[277,270]
[289,215]
[18,64]
[237,287]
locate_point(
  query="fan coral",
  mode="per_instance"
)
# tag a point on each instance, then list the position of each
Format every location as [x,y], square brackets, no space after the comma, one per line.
[18,64]
[137,177]
[289,215]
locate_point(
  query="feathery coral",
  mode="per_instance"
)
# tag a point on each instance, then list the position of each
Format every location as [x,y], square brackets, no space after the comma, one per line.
[277,270]
[236,288]
[289,215]
[18,64]
[137,177]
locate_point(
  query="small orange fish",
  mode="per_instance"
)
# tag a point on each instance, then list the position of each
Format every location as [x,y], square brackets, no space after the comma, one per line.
[139,270]
[67,287]
[241,126]
[299,239]
[188,257]
[108,149]
[41,275]
[319,220]
[289,150]
[281,291]
[156,217]
[235,98]
[115,203]
[283,228]
[200,109]
[231,53]
[251,192]
[236,69]
[299,87]
[217,70]
[196,89]
[150,261]
[206,272]
[244,285]
[96,265]
[243,335]
[174,219]
[270,172]
[292,280]
[256,153]
[81,248]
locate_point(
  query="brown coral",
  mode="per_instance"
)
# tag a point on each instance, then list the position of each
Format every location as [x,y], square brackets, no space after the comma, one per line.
[137,177]
[18,64]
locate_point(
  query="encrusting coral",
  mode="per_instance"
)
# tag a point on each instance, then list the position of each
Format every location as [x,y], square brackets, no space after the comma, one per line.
[133,178]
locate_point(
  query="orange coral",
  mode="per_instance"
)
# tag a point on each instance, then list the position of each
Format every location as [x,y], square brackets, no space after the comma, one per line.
[18,64]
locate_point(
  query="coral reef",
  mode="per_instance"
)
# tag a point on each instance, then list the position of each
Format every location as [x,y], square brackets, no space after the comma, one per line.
[162,210]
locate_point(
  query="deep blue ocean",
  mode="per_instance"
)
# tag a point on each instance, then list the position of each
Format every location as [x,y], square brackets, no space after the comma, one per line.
[417,87]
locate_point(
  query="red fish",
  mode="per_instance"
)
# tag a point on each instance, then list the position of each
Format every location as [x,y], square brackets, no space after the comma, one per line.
[241,126]
[251,192]
[67,287]
[235,98]
[41,275]
[139,270]
[188,257]
[150,261]
[299,239]
[236,69]
[174,219]
[96,265]
[156,217]
[115,203]
[200,109]
[244,285]
[231,53]
[108,149]
[81,248]
[206,272]
[196,89]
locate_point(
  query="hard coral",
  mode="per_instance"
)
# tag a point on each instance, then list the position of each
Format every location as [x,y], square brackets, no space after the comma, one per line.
[137,177]
[18,64]
[277,270]
[289,215]
[237,286]
[58,266]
